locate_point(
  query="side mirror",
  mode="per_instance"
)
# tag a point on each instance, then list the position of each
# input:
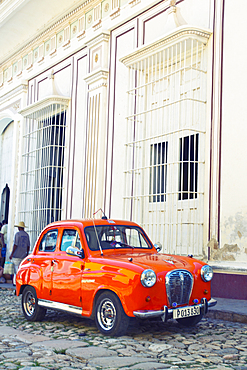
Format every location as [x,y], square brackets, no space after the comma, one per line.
[157,247]
[72,251]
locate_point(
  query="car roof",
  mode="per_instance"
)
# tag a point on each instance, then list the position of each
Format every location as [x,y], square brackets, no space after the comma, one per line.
[91,222]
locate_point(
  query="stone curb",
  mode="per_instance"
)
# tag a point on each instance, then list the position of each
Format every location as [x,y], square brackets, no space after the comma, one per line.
[227,316]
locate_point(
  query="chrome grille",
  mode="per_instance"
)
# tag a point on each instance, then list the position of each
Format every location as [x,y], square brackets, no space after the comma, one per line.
[179,286]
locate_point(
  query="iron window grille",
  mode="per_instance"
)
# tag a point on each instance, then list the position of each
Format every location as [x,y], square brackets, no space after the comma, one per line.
[43,165]
[158,171]
[164,163]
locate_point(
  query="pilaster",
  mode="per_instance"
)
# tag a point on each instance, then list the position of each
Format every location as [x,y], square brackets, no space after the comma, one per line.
[216,122]
[97,81]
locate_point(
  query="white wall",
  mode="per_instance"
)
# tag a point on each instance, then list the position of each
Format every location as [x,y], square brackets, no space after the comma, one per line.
[234,131]
[125,38]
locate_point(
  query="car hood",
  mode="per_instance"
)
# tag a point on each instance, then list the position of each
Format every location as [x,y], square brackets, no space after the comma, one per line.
[157,262]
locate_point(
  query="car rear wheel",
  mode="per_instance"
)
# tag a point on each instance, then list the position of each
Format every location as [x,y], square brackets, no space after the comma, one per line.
[31,310]
[190,321]
[110,317]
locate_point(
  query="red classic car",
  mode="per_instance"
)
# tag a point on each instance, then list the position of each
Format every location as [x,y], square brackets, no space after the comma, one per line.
[109,270]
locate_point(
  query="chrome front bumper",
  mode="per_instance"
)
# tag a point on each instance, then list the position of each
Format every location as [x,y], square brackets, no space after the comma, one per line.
[166,313]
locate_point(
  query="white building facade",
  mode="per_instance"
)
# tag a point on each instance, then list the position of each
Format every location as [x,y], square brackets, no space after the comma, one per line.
[133,106]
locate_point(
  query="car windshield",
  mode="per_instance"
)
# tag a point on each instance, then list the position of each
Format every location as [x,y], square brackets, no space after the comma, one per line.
[115,237]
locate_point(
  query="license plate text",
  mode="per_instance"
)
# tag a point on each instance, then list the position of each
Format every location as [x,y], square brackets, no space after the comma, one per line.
[179,313]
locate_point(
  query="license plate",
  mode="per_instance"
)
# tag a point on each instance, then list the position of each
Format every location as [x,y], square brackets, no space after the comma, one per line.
[180,313]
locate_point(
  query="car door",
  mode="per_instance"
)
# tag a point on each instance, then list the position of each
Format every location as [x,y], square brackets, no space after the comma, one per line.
[67,271]
[43,262]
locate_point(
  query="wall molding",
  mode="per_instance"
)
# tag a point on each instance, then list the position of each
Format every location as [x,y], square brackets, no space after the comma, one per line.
[45,102]
[181,33]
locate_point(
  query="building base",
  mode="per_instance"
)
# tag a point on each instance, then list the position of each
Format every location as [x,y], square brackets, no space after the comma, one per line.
[229,281]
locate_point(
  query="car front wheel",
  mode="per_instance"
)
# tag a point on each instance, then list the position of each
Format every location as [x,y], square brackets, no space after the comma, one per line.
[31,310]
[110,317]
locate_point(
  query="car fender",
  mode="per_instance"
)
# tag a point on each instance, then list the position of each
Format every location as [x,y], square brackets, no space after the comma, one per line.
[101,289]
[29,276]
[123,283]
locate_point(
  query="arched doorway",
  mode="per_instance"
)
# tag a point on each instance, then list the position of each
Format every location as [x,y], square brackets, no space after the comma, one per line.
[5,203]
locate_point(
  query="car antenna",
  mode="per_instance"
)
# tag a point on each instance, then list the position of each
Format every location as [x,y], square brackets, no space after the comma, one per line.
[100,248]
[104,216]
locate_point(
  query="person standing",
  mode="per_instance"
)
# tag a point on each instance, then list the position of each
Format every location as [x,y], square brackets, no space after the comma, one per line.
[4,232]
[1,247]
[20,248]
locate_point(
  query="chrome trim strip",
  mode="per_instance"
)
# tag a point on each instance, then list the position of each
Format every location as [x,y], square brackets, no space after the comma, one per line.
[212,302]
[60,306]
[169,285]
[142,314]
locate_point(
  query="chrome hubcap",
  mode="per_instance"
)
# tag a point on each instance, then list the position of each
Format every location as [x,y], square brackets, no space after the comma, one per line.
[106,314]
[29,304]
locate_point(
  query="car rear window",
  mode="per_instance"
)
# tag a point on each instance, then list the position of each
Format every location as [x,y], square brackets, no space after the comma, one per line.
[49,241]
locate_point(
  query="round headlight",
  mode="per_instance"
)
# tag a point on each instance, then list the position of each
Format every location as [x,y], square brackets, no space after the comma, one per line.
[148,278]
[207,273]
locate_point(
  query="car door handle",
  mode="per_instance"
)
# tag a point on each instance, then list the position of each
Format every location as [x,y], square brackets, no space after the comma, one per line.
[54,262]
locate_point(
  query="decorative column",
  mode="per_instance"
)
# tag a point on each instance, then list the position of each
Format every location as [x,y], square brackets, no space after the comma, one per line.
[97,81]
[216,123]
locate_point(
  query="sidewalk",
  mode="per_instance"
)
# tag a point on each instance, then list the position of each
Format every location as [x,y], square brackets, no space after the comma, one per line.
[229,310]
[226,309]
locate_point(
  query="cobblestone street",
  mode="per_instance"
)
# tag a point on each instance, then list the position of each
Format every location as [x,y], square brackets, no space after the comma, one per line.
[66,342]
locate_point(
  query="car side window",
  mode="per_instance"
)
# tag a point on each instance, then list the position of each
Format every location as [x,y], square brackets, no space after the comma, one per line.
[70,239]
[49,241]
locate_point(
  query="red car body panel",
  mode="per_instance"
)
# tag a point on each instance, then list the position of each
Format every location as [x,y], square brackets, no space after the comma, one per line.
[59,277]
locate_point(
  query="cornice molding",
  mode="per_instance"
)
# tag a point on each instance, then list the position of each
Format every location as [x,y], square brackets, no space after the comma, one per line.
[97,79]
[23,87]
[44,103]
[50,29]
[97,75]
[180,34]
[7,7]
[104,36]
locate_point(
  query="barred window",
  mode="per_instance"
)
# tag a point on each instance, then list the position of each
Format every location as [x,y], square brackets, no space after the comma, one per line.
[158,171]
[43,167]
[188,169]
[167,104]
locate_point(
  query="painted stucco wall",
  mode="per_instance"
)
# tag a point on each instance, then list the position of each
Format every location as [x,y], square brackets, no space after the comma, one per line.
[233,217]
[132,27]
[70,71]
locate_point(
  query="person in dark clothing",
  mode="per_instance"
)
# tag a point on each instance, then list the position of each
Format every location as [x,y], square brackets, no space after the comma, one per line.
[20,248]
[3,242]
